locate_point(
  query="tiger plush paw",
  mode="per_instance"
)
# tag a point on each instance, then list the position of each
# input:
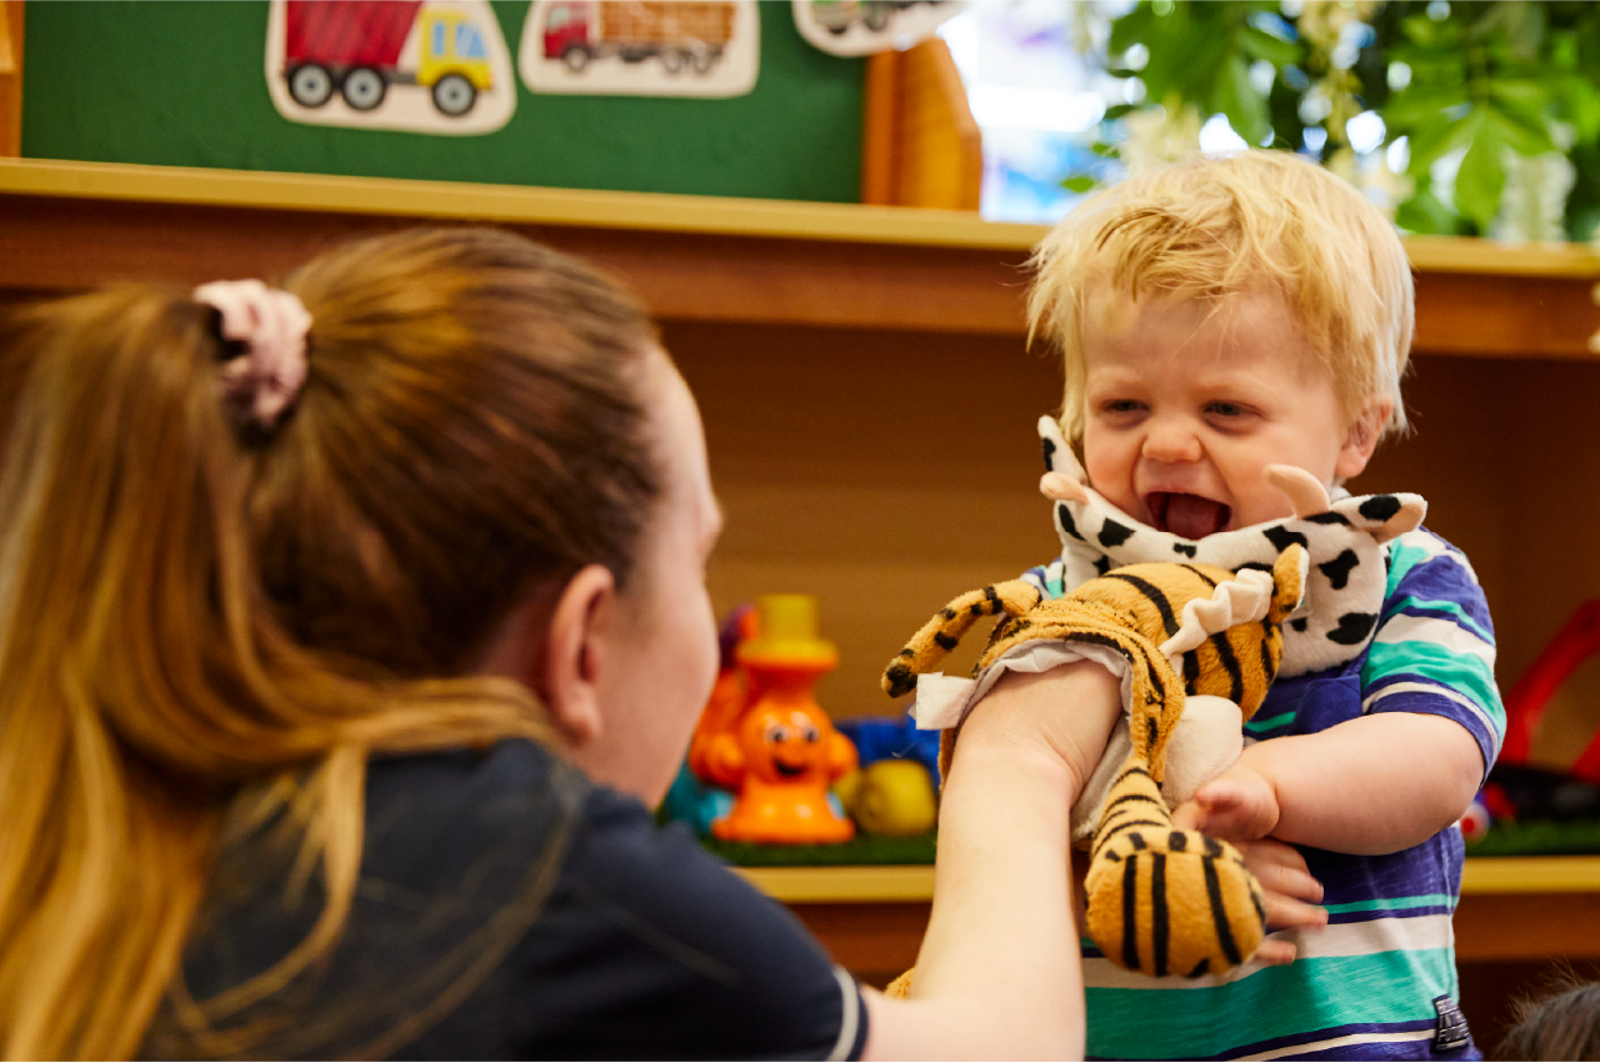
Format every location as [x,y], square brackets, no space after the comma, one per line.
[1165,901]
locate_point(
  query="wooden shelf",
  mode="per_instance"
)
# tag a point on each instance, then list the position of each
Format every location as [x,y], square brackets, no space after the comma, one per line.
[882,884]
[1513,909]
[899,883]
[694,258]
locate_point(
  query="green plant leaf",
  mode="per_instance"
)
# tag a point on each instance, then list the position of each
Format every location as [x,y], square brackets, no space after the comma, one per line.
[1424,213]
[1259,44]
[1080,183]
[1429,142]
[1523,135]
[1482,177]
[1235,97]
[1415,108]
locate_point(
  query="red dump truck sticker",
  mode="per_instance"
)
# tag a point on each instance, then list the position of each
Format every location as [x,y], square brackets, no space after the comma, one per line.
[708,48]
[424,66]
[861,27]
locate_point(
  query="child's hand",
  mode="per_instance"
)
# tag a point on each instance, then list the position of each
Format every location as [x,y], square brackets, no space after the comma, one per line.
[1291,895]
[1240,805]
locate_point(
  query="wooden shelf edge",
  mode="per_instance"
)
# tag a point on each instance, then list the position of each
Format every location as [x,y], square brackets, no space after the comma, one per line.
[881,884]
[1531,874]
[708,215]
[914,883]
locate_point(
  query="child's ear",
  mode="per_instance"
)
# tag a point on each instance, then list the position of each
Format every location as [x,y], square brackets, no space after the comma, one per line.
[1361,439]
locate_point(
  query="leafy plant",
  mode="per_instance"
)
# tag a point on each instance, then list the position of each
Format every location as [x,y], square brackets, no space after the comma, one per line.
[1497,102]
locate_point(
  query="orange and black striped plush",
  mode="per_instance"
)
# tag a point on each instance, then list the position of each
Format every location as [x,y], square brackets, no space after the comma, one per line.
[1160,901]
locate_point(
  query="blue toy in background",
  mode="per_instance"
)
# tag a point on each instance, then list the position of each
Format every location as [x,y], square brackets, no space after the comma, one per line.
[887,737]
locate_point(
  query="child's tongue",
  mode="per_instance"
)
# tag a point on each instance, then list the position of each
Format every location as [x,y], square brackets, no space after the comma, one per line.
[1188,516]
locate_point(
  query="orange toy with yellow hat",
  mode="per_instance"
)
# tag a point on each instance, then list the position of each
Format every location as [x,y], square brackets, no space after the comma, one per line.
[783,753]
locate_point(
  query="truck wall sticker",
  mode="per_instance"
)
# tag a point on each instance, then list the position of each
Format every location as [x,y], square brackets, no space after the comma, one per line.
[641,47]
[861,27]
[425,66]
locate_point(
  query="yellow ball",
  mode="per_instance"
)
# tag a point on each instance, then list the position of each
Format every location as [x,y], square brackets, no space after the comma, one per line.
[891,797]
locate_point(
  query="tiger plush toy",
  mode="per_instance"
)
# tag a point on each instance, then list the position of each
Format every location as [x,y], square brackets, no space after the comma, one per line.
[1160,900]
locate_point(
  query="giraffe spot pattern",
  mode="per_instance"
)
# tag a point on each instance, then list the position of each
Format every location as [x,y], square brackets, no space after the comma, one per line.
[1114,534]
[1353,628]
[1380,507]
[1338,570]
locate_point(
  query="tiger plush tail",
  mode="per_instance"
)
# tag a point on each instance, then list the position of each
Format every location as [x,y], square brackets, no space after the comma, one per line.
[940,635]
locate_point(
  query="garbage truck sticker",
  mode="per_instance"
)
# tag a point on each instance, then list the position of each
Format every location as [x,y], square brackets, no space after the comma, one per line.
[424,66]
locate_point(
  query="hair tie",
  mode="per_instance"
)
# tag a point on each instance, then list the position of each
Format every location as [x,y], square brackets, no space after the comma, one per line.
[272,324]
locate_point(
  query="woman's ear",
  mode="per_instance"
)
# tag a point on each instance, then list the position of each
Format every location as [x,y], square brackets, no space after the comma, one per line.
[574,648]
[1361,439]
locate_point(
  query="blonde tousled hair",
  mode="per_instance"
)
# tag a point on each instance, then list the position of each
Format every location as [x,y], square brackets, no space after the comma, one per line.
[1212,227]
[199,629]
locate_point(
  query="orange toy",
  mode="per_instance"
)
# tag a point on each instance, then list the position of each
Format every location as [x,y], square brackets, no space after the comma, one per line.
[727,700]
[784,752]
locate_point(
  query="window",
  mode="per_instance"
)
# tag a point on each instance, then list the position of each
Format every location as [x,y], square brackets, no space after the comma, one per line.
[469,43]
[438,39]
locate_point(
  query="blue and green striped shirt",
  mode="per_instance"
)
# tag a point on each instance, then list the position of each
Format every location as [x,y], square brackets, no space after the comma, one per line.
[1379,982]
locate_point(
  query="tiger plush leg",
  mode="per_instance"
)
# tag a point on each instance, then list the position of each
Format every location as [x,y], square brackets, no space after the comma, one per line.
[940,635]
[1163,901]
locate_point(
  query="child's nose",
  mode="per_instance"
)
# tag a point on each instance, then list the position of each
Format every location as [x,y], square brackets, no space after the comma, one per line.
[1171,440]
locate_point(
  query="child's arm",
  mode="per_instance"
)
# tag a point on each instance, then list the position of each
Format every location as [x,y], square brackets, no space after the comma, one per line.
[1407,767]
[1375,784]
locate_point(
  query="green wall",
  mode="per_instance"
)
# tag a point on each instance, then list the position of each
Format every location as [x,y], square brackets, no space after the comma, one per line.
[182,83]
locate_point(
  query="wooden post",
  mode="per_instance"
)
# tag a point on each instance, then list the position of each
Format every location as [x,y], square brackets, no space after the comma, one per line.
[921,146]
[10,78]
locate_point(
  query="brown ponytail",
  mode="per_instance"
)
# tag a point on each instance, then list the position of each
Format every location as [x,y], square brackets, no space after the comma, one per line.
[188,615]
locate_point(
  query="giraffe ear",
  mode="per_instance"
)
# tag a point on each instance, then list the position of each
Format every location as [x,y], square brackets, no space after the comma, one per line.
[1058,455]
[1061,488]
[1305,492]
[1065,479]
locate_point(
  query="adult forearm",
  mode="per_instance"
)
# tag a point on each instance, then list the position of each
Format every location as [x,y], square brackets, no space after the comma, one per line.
[999,973]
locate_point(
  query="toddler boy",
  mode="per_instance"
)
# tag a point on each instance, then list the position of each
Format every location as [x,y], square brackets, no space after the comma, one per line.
[1217,317]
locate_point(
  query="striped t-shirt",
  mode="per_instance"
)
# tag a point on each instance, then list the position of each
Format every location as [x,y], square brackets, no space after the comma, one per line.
[1379,982]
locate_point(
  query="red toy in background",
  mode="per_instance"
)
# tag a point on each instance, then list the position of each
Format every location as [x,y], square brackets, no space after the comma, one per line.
[1518,789]
[783,752]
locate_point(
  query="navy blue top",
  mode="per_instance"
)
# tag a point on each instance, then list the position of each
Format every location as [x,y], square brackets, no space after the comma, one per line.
[509,908]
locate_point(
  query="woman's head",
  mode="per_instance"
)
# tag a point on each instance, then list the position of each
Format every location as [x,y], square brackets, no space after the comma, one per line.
[188,604]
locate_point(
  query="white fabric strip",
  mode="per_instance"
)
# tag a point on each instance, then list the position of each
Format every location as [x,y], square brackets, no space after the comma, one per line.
[943,701]
[850,1016]
[1432,688]
[1446,633]
[1339,1042]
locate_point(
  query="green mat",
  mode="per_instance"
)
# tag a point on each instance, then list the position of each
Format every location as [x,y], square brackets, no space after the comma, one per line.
[862,849]
[1539,838]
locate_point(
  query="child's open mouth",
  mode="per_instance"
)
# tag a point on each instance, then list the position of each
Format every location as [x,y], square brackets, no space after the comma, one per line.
[1188,516]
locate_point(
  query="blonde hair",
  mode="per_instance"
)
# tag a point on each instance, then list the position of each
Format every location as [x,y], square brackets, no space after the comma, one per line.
[194,622]
[1209,228]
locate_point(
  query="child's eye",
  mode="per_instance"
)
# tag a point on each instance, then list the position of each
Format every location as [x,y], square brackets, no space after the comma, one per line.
[1226,409]
[1121,406]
